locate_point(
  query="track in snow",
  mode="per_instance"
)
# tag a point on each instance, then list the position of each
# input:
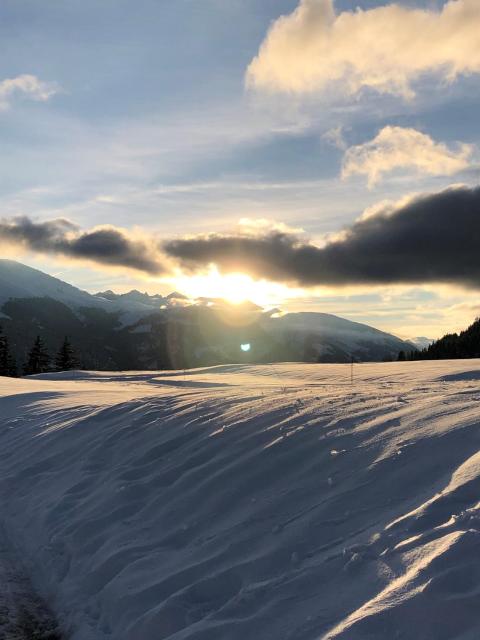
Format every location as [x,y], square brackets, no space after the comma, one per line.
[23,615]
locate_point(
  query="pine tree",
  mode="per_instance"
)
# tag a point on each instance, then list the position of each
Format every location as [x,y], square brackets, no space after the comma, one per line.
[11,363]
[65,359]
[8,366]
[38,358]
[3,354]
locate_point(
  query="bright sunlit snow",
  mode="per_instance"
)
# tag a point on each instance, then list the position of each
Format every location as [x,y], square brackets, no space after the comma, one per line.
[249,502]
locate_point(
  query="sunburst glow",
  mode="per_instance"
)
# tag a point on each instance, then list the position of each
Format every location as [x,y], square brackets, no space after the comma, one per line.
[234,288]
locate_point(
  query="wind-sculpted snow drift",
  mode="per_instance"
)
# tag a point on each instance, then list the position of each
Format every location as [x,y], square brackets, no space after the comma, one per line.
[247,502]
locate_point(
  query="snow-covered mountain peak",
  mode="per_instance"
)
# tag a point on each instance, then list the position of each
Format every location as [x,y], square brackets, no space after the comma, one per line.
[212,324]
[17,280]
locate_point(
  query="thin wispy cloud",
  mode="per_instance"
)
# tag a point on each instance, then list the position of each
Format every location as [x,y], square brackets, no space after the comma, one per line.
[385,48]
[336,138]
[26,86]
[399,148]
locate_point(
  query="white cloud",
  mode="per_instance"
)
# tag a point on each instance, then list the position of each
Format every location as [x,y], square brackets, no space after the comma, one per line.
[397,148]
[384,48]
[265,225]
[28,85]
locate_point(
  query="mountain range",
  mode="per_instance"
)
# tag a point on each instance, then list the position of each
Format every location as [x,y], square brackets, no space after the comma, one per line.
[136,330]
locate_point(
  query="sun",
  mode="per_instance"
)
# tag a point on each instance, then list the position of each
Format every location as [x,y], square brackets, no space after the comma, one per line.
[235,288]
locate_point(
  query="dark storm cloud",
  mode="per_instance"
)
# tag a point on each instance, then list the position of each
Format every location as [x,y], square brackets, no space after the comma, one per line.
[106,246]
[432,238]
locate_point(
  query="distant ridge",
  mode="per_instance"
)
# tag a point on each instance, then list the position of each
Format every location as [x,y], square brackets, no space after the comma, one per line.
[137,330]
[19,281]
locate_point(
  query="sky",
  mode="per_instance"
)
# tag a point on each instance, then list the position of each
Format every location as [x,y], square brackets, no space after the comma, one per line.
[327,151]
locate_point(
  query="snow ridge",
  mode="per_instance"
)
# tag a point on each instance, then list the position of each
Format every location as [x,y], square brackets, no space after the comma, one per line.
[250,501]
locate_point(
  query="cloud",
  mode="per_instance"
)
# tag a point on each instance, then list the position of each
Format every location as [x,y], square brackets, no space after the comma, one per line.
[427,239]
[28,85]
[385,48]
[402,148]
[256,225]
[108,246]
[335,138]
[423,239]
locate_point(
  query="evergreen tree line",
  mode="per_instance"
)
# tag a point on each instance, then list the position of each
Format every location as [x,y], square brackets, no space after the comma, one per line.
[38,359]
[465,344]
[8,366]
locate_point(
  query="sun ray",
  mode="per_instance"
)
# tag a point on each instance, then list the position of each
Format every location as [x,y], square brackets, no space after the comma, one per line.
[235,288]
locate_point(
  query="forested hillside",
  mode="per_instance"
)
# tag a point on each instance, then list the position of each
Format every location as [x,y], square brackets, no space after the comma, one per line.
[453,345]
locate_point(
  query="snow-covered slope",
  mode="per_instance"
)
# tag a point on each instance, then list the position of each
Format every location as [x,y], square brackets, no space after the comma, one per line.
[332,338]
[20,281]
[250,502]
[421,342]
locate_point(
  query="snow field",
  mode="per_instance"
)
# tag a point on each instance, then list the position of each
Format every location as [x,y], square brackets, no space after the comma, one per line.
[263,502]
